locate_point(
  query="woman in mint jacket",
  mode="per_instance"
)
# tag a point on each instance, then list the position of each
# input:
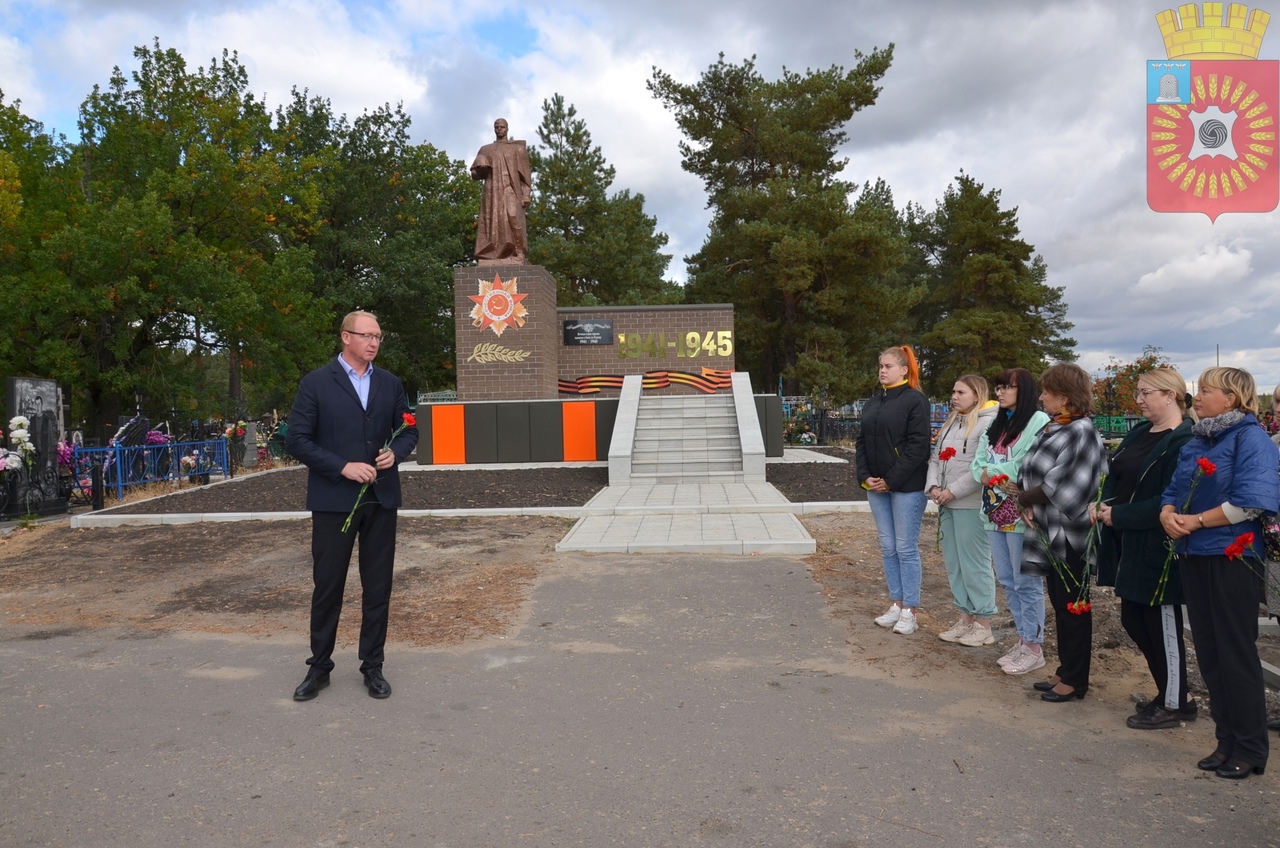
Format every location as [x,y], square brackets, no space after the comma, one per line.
[966,545]
[996,466]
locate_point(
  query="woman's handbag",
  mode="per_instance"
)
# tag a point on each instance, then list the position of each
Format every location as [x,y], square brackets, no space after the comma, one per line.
[1000,509]
[1271,568]
[1271,536]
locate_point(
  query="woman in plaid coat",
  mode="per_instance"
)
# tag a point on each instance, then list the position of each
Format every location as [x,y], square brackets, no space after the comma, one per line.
[1060,479]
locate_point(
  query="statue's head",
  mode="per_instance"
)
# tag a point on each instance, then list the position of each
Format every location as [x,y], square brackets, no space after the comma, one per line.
[500,128]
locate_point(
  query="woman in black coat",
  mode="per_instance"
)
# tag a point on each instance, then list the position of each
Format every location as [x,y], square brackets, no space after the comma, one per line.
[893,461]
[1132,552]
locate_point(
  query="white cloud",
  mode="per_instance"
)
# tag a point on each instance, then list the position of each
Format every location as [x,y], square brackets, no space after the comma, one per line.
[1197,275]
[1042,101]
[17,73]
[1223,318]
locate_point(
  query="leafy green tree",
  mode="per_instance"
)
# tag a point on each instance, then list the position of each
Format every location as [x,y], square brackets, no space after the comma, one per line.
[39,195]
[398,217]
[187,238]
[988,306]
[819,283]
[602,248]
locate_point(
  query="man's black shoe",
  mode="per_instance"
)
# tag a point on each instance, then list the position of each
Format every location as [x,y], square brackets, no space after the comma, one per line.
[377,684]
[311,685]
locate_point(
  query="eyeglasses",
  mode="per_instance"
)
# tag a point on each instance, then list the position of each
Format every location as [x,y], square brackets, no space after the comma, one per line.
[369,337]
[1006,388]
[1144,393]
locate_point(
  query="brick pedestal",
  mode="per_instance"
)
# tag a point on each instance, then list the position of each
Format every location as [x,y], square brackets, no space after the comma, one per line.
[521,363]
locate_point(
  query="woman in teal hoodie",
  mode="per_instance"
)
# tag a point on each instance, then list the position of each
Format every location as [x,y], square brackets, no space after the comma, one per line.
[996,465]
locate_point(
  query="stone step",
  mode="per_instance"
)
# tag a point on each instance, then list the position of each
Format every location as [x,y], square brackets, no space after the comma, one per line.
[686,441]
[667,478]
[722,419]
[655,455]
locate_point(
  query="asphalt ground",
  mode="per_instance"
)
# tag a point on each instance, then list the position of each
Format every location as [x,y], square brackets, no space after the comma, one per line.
[638,701]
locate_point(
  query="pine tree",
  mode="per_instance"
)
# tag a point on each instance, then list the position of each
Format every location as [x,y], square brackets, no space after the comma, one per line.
[819,283]
[988,306]
[602,248]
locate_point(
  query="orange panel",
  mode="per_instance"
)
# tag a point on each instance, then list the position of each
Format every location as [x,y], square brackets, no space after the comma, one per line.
[579,431]
[448,435]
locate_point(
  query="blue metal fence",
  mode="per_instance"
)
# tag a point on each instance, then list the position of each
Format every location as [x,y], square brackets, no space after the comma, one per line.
[135,465]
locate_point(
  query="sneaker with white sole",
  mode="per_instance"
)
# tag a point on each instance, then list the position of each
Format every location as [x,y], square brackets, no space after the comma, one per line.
[977,636]
[906,623]
[1029,661]
[891,617]
[954,632]
[1014,653]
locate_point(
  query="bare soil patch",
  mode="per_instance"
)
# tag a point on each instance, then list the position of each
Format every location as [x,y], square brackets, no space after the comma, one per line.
[456,579]
[459,579]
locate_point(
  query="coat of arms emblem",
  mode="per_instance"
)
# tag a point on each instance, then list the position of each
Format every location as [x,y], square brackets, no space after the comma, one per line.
[1212,108]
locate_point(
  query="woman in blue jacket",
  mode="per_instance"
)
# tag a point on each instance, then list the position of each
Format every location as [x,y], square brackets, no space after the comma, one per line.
[1226,478]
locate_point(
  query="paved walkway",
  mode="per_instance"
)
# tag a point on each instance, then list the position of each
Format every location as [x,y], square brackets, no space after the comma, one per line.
[722,518]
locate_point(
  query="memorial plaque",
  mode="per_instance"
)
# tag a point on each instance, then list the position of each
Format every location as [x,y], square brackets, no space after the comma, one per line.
[596,331]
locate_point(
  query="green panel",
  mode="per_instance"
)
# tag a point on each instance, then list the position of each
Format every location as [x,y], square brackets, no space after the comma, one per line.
[423,415]
[546,432]
[513,432]
[606,416]
[769,412]
[480,423]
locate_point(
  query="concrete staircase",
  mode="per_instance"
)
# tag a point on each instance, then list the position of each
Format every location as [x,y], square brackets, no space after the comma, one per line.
[686,439]
[686,474]
[697,439]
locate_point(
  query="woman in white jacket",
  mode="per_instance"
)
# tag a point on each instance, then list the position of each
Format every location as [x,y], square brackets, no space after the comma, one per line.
[966,547]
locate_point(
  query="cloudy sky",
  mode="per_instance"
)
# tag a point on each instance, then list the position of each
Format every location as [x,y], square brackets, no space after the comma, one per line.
[1042,100]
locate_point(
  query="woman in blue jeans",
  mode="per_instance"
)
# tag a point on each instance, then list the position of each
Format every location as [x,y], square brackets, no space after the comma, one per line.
[996,466]
[893,461]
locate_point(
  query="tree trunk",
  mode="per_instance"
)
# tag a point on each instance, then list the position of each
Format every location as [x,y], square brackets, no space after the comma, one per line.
[235,389]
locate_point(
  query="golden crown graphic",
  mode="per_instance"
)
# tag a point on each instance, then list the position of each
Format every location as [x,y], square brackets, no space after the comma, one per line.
[1190,35]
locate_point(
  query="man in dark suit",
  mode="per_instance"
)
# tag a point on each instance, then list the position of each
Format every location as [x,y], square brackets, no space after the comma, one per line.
[343,416]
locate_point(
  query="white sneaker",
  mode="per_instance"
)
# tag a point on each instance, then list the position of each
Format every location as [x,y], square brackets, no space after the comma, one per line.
[977,636]
[955,631]
[906,623]
[1014,653]
[891,617]
[1029,661]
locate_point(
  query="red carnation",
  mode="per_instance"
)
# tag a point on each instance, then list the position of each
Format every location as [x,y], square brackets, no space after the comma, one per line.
[1236,549]
[946,454]
[409,420]
[1206,466]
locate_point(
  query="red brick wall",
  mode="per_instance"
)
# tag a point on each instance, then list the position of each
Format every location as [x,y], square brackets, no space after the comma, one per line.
[525,362]
[520,364]
[651,338]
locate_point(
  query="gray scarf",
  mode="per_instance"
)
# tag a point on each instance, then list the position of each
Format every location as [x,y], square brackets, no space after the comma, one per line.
[1209,428]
